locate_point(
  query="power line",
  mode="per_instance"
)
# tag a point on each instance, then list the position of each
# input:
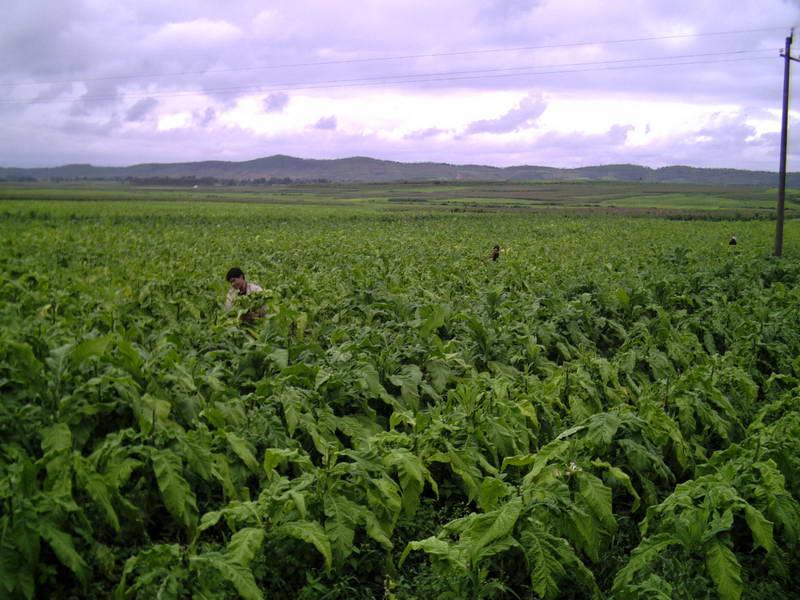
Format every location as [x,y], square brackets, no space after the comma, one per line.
[425,78]
[401,57]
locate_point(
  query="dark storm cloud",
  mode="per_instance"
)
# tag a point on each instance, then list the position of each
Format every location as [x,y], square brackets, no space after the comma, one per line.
[99,96]
[522,116]
[37,40]
[276,102]
[326,123]
[140,110]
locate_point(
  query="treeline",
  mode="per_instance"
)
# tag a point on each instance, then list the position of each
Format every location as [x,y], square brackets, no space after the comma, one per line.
[171,181]
[17,179]
[215,181]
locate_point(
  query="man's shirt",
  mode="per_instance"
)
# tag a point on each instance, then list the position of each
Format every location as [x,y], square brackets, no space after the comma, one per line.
[233,293]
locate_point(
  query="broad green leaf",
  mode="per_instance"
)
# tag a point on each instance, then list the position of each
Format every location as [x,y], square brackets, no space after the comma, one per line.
[495,548]
[99,491]
[598,498]
[244,544]
[718,524]
[587,535]
[491,490]
[243,450]
[519,460]
[375,530]
[439,549]
[760,528]
[555,449]
[57,445]
[280,356]
[622,478]
[343,516]
[62,545]
[725,570]
[88,348]
[299,501]
[436,316]
[490,527]
[602,429]
[412,474]
[57,438]
[439,373]
[241,577]
[370,380]
[273,457]
[408,380]
[209,520]
[646,552]
[175,491]
[58,359]
[465,465]
[311,532]
[119,469]
[784,510]
[575,568]
[151,412]
[653,588]
[545,567]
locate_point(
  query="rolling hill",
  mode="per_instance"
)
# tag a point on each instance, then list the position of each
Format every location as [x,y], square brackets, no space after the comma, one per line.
[364,169]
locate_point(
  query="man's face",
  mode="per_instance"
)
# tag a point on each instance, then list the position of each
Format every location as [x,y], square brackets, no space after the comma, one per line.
[238,283]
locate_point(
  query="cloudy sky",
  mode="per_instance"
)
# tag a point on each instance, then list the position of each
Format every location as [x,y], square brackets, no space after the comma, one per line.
[500,82]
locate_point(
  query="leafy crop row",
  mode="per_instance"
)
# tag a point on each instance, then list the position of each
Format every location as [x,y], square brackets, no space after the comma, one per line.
[611,410]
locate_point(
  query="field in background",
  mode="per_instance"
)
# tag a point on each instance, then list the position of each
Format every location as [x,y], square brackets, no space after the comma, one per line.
[610,410]
[609,197]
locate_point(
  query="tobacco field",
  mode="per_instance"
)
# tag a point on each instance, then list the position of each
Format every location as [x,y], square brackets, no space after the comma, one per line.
[611,410]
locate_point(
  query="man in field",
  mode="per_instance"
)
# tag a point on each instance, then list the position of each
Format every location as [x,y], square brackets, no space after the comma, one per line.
[240,287]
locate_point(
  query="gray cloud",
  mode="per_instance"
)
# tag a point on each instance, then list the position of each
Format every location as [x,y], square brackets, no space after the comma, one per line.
[326,123]
[424,134]
[504,10]
[139,111]
[524,115]
[99,95]
[275,103]
[51,92]
[585,144]
[205,118]
[86,127]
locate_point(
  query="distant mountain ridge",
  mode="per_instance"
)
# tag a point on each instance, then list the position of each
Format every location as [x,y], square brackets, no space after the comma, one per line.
[371,170]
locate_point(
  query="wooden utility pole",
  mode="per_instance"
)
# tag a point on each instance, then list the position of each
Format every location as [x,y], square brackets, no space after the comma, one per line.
[787,58]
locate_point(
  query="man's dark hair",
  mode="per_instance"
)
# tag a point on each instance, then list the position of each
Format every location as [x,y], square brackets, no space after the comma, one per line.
[234,273]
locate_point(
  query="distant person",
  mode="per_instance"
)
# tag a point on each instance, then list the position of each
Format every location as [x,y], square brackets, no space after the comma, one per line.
[732,242]
[495,253]
[240,287]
